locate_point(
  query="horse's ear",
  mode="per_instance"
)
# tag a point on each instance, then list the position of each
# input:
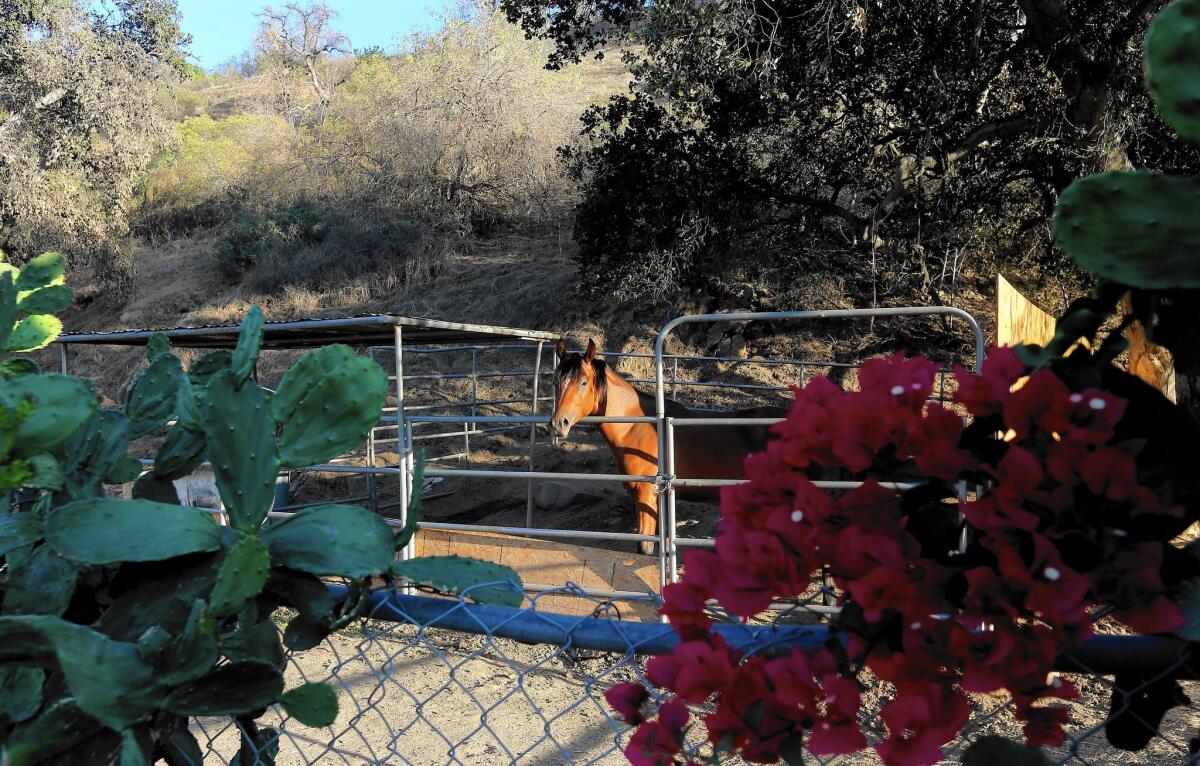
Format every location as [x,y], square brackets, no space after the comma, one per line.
[561,349]
[591,350]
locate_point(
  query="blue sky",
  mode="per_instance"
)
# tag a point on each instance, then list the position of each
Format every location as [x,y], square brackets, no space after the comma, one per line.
[221,29]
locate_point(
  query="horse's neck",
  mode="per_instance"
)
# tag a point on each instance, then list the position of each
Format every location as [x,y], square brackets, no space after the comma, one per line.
[625,401]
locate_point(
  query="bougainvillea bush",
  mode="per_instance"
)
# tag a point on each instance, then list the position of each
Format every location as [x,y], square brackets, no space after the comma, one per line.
[1084,474]
[1065,524]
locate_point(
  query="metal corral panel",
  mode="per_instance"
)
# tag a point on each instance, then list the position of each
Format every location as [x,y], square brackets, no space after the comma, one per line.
[372,329]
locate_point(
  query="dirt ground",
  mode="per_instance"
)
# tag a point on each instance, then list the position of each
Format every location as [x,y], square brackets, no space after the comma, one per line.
[426,697]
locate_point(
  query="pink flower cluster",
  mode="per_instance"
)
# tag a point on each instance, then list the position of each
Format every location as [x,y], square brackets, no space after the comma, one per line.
[1049,538]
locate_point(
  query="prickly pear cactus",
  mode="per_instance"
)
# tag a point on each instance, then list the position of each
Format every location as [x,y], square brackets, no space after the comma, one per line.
[1137,228]
[96,673]
[28,299]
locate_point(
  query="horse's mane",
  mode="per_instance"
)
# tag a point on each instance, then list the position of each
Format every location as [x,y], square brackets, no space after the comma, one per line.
[571,365]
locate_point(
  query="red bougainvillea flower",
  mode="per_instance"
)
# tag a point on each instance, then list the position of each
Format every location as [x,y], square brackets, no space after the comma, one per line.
[694,670]
[936,621]
[627,700]
[985,393]
[656,743]
[1043,402]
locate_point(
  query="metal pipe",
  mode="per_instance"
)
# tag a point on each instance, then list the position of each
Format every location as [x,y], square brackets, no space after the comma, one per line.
[672,554]
[62,357]
[528,531]
[895,485]
[537,371]
[405,446]
[474,396]
[471,473]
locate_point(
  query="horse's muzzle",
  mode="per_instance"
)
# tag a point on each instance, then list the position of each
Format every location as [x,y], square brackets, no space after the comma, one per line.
[561,427]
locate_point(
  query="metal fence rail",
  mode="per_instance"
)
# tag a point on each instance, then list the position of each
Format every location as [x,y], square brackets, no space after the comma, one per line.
[442,681]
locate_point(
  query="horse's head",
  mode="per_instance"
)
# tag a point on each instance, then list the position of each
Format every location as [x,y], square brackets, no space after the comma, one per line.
[580,388]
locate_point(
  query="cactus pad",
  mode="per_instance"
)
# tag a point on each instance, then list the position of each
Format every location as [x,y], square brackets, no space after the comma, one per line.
[1136,228]
[249,340]
[111,531]
[63,404]
[151,400]
[42,271]
[241,447]
[312,704]
[34,332]
[208,365]
[330,404]
[242,576]
[480,581]
[45,300]
[181,451]
[107,678]
[342,540]
[233,689]
[1173,66]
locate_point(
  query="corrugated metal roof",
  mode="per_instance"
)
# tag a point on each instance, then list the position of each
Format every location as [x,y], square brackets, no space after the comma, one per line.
[368,329]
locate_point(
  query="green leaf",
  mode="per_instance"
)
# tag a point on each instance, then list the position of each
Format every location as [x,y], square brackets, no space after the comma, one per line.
[233,689]
[46,300]
[312,704]
[991,750]
[332,540]
[34,332]
[127,469]
[241,447]
[111,531]
[63,404]
[339,401]
[151,400]
[45,269]
[158,345]
[462,575]
[21,692]
[181,452]
[311,598]
[249,340]
[18,529]
[242,577]
[39,582]
[108,679]
[1173,66]
[1135,228]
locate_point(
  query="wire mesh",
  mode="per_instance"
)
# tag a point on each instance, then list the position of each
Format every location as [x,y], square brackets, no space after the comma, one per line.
[424,680]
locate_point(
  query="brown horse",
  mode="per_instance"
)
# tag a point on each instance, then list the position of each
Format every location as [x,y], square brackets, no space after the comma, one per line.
[585,386]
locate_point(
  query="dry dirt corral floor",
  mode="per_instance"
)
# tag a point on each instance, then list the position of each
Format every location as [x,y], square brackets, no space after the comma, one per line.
[442,697]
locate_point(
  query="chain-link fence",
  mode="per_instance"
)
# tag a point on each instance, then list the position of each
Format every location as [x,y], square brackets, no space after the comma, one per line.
[425,680]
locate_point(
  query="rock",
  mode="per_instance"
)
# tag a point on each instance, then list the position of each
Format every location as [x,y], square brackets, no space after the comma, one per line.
[561,495]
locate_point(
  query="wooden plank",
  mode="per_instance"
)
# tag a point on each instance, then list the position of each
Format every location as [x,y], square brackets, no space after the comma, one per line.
[554,563]
[1017,319]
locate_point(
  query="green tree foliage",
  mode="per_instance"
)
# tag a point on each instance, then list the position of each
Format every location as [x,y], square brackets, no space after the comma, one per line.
[80,113]
[881,140]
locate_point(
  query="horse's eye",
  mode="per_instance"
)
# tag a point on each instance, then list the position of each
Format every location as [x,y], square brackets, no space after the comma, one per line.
[583,384]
